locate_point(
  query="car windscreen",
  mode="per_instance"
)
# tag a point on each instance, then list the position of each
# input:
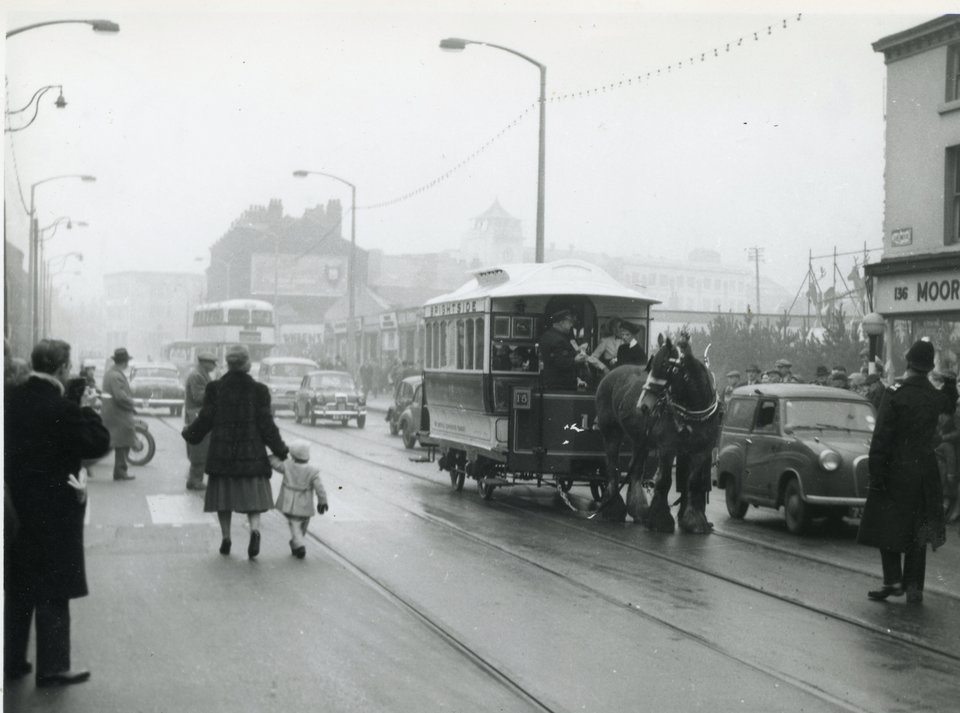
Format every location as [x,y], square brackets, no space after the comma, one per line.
[820,414]
[154,373]
[341,382]
[291,371]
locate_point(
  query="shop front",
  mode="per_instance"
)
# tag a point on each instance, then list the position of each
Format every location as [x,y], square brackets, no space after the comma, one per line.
[918,297]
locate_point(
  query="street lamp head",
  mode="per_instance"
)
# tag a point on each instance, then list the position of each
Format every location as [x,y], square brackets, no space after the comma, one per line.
[301,173]
[104,26]
[453,44]
[60,102]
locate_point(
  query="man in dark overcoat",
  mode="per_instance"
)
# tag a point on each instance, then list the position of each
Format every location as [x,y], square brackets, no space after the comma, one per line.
[118,411]
[558,354]
[192,403]
[904,508]
[47,436]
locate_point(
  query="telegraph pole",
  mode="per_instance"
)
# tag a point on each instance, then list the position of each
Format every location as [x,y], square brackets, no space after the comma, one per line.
[756,254]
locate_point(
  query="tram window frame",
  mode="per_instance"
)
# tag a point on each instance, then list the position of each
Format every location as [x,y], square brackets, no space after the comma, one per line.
[461,341]
[478,342]
[428,346]
[468,344]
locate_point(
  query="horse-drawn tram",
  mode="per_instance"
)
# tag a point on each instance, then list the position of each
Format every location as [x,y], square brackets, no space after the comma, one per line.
[495,410]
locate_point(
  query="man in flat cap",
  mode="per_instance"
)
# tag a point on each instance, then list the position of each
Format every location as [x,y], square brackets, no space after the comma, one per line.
[786,375]
[733,381]
[559,355]
[753,375]
[192,403]
[118,411]
[904,508]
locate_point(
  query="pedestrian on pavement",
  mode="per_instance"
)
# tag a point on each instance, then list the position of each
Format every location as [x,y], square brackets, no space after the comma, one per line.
[904,508]
[118,411]
[236,414]
[295,500]
[948,439]
[197,381]
[47,435]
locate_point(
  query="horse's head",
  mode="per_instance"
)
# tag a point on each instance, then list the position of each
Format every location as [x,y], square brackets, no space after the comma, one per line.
[662,369]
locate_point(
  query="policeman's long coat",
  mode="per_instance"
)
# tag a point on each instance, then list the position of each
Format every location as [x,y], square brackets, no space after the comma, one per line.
[558,356]
[905,500]
[192,403]
[118,409]
[47,436]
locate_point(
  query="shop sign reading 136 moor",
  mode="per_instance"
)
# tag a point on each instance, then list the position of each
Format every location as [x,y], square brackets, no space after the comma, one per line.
[931,292]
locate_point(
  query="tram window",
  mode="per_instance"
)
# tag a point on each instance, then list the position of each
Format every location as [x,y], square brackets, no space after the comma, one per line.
[428,351]
[443,344]
[478,343]
[238,316]
[468,344]
[460,341]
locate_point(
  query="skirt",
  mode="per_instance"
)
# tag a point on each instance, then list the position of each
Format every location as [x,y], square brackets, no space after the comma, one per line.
[244,495]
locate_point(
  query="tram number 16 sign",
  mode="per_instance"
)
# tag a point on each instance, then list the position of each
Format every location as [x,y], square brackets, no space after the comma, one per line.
[521,399]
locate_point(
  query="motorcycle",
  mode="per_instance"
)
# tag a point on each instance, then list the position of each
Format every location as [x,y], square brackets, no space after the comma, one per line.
[143,451]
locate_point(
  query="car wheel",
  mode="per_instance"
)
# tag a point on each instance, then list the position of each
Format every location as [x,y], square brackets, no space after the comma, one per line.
[361,421]
[795,511]
[736,508]
[409,437]
[394,430]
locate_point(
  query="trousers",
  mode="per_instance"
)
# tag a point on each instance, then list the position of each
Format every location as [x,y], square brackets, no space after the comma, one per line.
[120,462]
[53,632]
[912,570]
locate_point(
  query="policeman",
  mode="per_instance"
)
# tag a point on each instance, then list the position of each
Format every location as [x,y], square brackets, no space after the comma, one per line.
[560,357]
[192,402]
[904,508]
[786,376]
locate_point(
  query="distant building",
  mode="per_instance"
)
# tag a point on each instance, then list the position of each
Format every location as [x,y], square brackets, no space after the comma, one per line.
[145,310]
[916,283]
[495,238]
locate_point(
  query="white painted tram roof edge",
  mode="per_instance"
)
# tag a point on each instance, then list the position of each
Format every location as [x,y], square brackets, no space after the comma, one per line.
[560,277]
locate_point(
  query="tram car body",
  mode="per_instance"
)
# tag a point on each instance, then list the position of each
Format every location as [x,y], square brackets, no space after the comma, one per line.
[490,416]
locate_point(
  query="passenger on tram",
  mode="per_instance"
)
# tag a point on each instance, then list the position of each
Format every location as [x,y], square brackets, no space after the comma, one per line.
[559,355]
[608,346]
[631,351]
[501,357]
[519,359]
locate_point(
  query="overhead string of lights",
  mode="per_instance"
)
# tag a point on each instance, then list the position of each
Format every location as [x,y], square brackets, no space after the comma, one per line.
[633,80]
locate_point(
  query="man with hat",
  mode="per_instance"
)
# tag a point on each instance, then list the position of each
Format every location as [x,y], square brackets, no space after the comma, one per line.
[753,375]
[118,412]
[786,376]
[733,381]
[559,355]
[904,508]
[822,376]
[192,403]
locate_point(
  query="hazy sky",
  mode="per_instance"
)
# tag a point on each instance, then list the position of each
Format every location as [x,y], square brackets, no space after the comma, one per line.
[187,117]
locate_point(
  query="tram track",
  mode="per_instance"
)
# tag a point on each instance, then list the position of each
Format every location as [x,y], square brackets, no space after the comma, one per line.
[949,658]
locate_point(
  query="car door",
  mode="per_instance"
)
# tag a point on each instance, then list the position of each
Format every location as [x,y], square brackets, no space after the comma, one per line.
[764,444]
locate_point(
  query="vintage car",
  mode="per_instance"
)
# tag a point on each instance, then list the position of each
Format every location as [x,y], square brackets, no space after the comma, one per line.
[157,384]
[402,397]
[329,395]
[801,446]
[283,376]
[414,421]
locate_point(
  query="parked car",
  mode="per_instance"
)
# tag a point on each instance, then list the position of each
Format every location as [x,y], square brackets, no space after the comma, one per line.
[283,376]
[329,395]
[402,397]
[414,422]
[157,384]
[801,446]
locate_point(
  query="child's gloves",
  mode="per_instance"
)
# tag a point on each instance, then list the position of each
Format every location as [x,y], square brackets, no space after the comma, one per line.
[321,508]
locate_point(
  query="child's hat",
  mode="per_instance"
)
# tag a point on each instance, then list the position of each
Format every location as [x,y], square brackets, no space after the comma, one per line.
[300,450]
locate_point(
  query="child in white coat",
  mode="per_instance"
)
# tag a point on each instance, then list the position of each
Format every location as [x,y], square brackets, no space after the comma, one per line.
[295,501]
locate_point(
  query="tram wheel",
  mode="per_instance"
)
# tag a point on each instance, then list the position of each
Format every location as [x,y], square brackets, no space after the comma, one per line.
[456,480]
[598,488]
[484,490]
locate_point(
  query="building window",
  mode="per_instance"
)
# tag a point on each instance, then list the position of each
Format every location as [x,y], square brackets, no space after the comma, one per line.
[953,72]
[952,195]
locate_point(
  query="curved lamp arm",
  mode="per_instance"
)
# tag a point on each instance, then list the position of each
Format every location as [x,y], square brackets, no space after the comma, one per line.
[97,25]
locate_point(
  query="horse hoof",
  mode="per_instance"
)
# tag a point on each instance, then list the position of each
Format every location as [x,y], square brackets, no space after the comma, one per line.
[637,506]
[695,523]
[658,517]
[615,510]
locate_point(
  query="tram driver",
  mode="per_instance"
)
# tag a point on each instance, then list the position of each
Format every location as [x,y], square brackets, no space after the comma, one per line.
[559,354]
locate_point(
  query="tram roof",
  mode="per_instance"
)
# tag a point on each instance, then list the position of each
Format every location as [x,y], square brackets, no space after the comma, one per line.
[560,277]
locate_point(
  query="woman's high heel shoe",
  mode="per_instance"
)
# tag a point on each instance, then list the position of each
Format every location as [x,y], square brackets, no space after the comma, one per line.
[253,549]
[225,546]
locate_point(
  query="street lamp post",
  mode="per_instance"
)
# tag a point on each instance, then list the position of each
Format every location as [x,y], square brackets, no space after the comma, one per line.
[34,252]
[351,267]
[97,25]
[456,44]
[48,274]
[44,274]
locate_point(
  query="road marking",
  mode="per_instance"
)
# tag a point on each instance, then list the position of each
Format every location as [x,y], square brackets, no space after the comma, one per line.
[177,510]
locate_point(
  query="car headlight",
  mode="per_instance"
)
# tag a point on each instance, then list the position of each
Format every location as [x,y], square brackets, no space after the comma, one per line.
[830,460]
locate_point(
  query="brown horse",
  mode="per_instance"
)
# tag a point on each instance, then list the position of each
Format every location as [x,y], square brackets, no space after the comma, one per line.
[671,407]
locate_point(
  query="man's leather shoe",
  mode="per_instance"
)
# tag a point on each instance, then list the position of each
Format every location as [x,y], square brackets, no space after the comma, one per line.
[914,596]
[300,552]
[61,678]
[124,476]
[887,590]
[15,672]
[253,549]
